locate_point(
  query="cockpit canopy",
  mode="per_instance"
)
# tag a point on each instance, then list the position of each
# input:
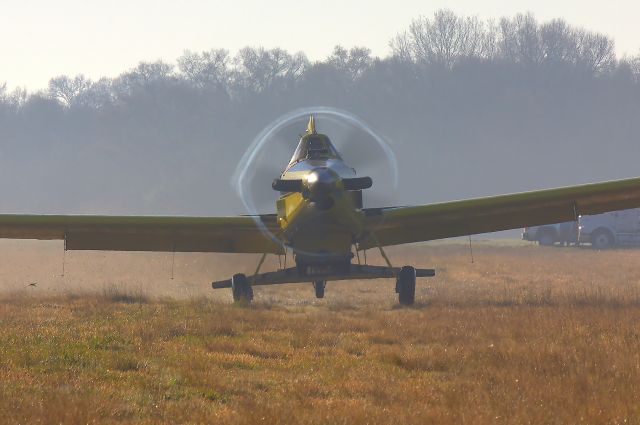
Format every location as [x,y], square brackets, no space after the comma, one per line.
[314,146]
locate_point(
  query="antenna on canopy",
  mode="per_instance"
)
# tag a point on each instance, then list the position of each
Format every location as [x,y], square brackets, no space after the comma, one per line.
[311,127]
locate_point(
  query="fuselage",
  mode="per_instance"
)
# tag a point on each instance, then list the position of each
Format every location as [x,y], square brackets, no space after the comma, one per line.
[321,221]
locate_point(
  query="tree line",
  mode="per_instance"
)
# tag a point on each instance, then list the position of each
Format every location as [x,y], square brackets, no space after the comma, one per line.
[445,40]
[480,97]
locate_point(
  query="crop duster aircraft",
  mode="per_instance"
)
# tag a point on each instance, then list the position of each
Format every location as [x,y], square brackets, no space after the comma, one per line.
[320,217]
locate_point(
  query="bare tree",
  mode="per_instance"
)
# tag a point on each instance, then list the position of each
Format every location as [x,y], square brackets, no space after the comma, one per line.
[97,95]
[4,104]
[521,39]
[143,76]
[445,39]
[18,97]
[596,52]
[353,62]
[153,71]
[489,35]
[634,65]
[559,44]
[65,89]
[402,47]
[259,69]
[206,69]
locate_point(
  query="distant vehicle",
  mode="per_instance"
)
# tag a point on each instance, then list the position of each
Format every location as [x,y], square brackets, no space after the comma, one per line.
[563,233]
[617,228]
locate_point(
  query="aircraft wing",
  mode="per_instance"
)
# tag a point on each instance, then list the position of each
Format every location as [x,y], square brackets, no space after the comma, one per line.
[398,225]
[146,233]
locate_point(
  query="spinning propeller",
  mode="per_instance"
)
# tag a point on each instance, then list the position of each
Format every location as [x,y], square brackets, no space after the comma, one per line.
[358,145]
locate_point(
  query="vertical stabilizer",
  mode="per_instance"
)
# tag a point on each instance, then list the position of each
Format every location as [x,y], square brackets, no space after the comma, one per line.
[311,127]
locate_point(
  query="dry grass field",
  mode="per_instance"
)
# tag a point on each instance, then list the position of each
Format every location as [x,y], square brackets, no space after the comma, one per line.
[522,335]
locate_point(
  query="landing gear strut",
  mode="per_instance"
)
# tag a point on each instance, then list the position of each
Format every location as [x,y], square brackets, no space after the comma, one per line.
[319,285]
[241,288]
[406,285]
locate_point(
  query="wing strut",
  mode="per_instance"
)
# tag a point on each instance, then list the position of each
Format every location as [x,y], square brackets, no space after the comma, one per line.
[384,254]
[173,261]
[64,254]
[258,268]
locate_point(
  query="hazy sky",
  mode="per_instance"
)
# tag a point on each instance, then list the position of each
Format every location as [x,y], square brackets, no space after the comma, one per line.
[40,39]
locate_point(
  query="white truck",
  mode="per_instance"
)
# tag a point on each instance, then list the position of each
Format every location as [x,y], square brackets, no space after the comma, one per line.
[618,228]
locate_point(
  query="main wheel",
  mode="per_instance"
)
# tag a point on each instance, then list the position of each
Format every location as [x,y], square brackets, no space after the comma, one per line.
[319,285]
[241,288]
[406,285]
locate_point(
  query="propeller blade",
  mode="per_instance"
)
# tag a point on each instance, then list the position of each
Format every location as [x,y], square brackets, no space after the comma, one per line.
[367,157]
[357,183]
[287,185]
[261,197]
[357,150]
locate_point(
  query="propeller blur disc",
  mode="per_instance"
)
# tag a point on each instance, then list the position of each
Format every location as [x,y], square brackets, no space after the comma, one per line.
[360,146]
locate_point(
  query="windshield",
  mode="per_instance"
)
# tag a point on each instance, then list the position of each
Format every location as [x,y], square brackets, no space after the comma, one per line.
[314,146]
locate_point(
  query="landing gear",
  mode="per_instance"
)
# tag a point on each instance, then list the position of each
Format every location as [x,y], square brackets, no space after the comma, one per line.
[319,275]
[319,285]
[241,288]
[406,285]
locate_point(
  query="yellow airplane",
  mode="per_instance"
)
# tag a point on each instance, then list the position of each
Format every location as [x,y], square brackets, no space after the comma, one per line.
[321,219]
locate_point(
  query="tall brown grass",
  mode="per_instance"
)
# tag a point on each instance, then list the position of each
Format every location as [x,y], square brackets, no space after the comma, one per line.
[522,335]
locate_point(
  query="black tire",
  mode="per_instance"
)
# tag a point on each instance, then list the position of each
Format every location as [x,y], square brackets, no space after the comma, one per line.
[547,238]
[406,285]
[602,239]
[319,286]
[241,288]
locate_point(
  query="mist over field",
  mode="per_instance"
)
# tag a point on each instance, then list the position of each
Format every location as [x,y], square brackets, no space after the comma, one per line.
[470,108]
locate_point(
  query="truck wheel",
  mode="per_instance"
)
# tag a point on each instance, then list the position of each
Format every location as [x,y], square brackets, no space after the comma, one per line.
[547,238]
[602,239]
